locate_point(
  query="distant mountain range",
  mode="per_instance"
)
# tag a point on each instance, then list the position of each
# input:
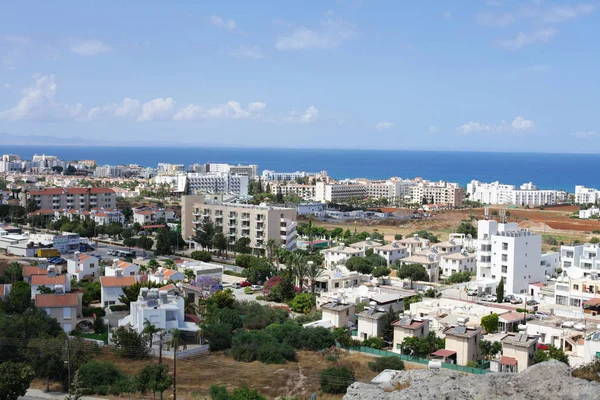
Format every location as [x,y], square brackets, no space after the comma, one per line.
[9,139]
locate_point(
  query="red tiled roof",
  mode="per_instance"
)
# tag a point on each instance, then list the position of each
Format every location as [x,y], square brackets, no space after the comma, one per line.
[443,353]
[192,318]
[56,300]
[48,280]
[28,271]
[144,212]
[72,190]
[117,281]
[512,316]
[46,211]
[508,361]
[169,272]
[153,226]
[539,284]
[101,215]
[170,286]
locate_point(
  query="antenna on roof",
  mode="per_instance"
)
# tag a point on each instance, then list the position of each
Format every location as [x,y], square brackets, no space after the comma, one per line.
[503,215]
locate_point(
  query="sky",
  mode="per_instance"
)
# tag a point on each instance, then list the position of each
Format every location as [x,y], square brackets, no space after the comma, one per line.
[489,75]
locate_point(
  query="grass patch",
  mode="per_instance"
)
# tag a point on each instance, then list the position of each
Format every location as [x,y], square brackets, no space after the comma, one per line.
[96,336]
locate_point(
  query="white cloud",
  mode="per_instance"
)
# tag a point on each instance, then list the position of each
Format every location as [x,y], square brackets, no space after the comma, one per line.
[519,124]
[382,126]
[6,86]
[522,39]
[557,13]
[159,108]
[230,110]
[228,24]
[584,135]
[330,34]
[447,14]
[495,19]
[128,108]
[310,115]
[39,103]
[252,52]
[522,124]
[433,129]
[89,47]
[472,127]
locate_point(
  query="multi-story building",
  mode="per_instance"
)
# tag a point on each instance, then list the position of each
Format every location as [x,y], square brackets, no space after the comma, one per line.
[107,171]
[250,171]
[517,353]
[408,327]
[509,253]
[429,259]
[218,182]
[64,307]
[575,292]
[305,192]
[339,314]
[257,223]
[391,252]
[462,261]
[111,287]
[269,175]
[445,193]
[589,213]
[166,168]
[570,255]
[414,243]
[393,189]
[145,215]
[82,265]
[526,195]
[50,280]
[585,195]
[334,192]
[339,254]
[68,198]
[462,345]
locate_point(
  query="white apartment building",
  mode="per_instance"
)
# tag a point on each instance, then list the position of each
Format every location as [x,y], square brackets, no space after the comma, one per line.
[270,175]
[570,255]
[334,192]
[585,256]
[125,268]
[506,252]
[575,292]
[176,181]
[82,265]
[167,168]
[429,259]
[393,189]
[458,262]
[585,195]
[112,287]
[305,192]
[145,215]
[107,171]
[391,252]
[162,310]
[218,182]
[526,195]
[258,223]
[339,254]
[446,193]
[316,208]
[589,213]
[250,171]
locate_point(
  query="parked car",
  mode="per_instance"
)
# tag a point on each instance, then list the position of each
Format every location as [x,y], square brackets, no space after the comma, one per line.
[508,298]
[491,298]
[245,283]
[255,287]
[236,285]
[532,303]
[541,315]
[516,300]
[472,292]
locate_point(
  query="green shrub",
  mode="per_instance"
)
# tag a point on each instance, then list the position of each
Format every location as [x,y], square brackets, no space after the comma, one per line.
[219,336]
[490,323]
[374,342]
[233,273]
[201,255]
[391,362]
[248,290]
[303,302]
[257,316]
[90,311]
[119,307]
[335,380]
[244,260]
[312,316]
[259,345]
[332,358]
[97,376]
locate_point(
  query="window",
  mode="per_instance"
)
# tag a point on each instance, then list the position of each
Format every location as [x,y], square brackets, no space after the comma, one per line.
[398,346]
[504,257]
[66,312]
[504,246]
[337,285]
[347,312]
[575,287]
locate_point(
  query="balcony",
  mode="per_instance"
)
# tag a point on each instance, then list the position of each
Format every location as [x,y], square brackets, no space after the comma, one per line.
[232,233]
[245,217]
[260,227]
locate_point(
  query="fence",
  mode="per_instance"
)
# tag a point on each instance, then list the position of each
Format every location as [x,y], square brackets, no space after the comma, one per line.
[419,360]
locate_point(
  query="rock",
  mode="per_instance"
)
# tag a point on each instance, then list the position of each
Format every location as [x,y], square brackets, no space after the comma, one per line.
[550,380]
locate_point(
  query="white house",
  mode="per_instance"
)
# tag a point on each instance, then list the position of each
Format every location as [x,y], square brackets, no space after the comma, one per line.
[112,288]
[149,215]
[127,268]
[161,310]
[163,275]
[408,327]
[50,281]
[339,254]
[414,244]
[105,216]
[370,323]
[430,260]
[366,245]
[331,280]
[458,262]
[391,252]
[202,269]
[340,315]
[509,253]
[82,265]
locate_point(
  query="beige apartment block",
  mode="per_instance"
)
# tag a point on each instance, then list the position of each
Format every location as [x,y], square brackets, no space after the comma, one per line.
[258,223]
[517,353]
[73,198]
[463,343]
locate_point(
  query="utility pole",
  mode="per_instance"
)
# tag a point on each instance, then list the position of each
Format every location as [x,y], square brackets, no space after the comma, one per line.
[175,369]
[160,345]
[69,363]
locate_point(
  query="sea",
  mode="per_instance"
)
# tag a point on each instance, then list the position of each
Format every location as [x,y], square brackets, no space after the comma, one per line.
[546,170]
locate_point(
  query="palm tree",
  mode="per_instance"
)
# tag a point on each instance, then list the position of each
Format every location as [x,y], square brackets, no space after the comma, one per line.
[190,306]
[153,264]
[176,338]
[169,264]
[309,228]
[143,269]
[15,271]
[270,247]
[189,274]
[298,266]
[313,272]
[150,330]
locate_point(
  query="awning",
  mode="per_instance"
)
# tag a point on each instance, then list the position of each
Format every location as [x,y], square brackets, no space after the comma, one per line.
[592,302]
[508,361]
[443,353]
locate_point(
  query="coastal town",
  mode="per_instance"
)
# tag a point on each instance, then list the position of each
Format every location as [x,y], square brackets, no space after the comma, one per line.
[319,282]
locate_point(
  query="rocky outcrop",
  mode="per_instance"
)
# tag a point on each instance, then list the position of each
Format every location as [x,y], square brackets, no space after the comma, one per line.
[550,380]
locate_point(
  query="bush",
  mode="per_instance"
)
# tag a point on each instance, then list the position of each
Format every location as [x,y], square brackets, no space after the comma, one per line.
[257,316]
[312,316]
[129,343]
[233,273]
[90,311]
[259,345]
[201,255]
[303,302]
[119,307]
[459,277]
[241,393]
[97,376]
[391,362]
[374,342]
[490,323]
[550,240]
[244,260]
[248,290]
[219,336]
[379,272]
[336,380]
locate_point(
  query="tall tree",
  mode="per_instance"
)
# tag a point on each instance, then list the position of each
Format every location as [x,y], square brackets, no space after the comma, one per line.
[156,378]
[219,242]
[299,267]
[388,328]
[413,272]
[500,291]
[47,358]
[313,272]
[163,244]
[15,378]
[242,246]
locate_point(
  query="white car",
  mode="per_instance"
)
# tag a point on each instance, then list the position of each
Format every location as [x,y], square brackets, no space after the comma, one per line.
[541,315]
[255,288]
[491,298]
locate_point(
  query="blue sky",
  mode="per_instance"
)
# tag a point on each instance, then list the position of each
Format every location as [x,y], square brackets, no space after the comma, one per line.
[477,75]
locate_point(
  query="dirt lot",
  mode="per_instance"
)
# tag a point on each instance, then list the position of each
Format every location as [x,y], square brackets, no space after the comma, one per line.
[554,221]
[195,375]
